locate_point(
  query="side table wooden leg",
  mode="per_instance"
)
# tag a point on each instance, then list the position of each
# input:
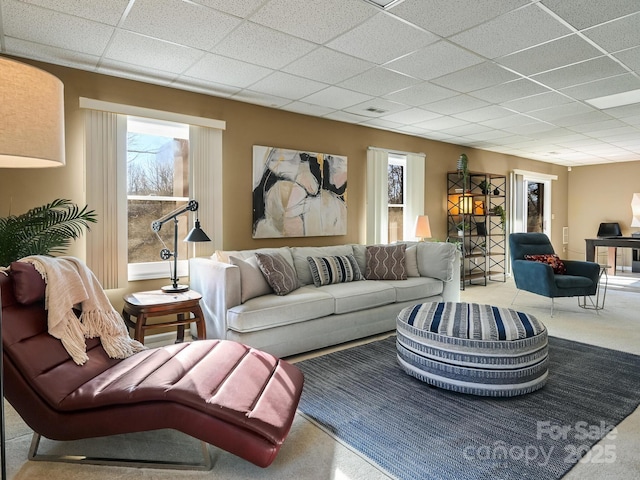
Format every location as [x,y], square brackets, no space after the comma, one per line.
[180,334]
[199,319]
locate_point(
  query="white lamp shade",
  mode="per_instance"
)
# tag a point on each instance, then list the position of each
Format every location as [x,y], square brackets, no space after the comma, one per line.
[635,210]
[423,229]
[31,117]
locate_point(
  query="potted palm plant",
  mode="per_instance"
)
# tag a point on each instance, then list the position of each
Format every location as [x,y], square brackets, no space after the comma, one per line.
[44,230]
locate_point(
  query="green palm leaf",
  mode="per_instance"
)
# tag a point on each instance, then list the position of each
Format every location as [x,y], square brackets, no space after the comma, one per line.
[44,230]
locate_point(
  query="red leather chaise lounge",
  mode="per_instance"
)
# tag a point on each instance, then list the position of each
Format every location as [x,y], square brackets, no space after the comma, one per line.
[224,393]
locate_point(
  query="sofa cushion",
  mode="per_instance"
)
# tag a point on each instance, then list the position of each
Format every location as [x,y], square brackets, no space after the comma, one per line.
[411,261]
[270,311]
[28,284]
[279,273]
[415,288]
[334,269]
[252,281]
[436,259]
[354,296]
[360,252]
[386,262]
[300,254]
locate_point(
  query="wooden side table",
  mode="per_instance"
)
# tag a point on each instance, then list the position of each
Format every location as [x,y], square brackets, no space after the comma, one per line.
[156,303]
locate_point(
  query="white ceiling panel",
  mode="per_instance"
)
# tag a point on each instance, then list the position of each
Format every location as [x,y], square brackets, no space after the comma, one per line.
[260,45]
[511,32]
[325,65]
[381,39]
[450,71]
[180,22]
[218,69]
[312,20]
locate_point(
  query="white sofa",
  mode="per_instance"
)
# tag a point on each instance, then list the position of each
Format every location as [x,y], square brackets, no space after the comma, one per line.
[312,317]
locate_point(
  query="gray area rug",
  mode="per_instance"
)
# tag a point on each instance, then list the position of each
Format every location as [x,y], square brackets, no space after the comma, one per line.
[415,431]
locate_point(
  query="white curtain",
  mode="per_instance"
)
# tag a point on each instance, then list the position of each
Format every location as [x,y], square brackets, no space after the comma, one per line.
[377,196]
[105,135]
[414,194]
[205,144]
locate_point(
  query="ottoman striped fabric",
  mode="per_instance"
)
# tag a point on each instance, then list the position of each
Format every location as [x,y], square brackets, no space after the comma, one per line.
[473,348]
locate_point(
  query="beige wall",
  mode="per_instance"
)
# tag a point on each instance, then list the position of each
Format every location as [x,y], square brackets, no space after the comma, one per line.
[248,125]
[601,193]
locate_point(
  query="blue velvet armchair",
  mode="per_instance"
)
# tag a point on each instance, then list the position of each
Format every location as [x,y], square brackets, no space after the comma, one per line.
[580,279]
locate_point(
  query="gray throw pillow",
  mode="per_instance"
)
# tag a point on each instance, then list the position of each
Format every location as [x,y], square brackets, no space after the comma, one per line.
[278,272]
[334,269]
[252,282]
[386,262]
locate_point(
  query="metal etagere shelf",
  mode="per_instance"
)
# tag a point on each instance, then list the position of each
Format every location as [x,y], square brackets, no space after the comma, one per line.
[476,206]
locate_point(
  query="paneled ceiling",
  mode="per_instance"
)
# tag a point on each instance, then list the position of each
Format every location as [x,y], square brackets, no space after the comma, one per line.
[510,76]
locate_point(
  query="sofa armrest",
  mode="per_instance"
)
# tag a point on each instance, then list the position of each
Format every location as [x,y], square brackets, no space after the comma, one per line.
[219,285]
[451,289]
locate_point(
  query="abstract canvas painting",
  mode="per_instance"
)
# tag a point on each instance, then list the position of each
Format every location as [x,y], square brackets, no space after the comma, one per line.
[298,194]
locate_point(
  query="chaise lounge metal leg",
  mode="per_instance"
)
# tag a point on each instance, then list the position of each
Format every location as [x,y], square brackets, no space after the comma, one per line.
[165,465]
[514,297]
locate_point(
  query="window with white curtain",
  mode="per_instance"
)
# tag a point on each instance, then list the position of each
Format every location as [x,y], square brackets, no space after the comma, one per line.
[395,194]
[142,164]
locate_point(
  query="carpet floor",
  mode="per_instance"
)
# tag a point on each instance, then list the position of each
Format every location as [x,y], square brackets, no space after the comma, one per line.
[415,431]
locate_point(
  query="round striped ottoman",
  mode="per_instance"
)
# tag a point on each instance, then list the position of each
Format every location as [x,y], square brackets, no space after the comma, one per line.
[473,348]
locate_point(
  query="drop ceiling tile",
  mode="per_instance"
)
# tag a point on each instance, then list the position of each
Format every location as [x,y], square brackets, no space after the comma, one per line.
[135,49]
[202,86]
[625,111]
[441,123]
[325,65]
[579,119]
[470,129]
[215,68]
[511,32]
[378,81]
[531,129]
[420,94]
[287,86]
[239,8]
[579,73]
[509,91]
[254,43]
[39,25]
[552,113]
[587,13]
[381,39]
[536,102]
[376,107]
[434,61]
[379,123]
[631,58]
[345,117]
[599,88]
[555,54]
[308,109]
[45,53]
[490,136]
[618,34]
[180,22]
[476,77]
[595,126]
[484,113]
[513,120]
[411,116]
[100,11]
[445,18]
[457,104]
[136,72]
[263,99]
[312,20]
[336,97]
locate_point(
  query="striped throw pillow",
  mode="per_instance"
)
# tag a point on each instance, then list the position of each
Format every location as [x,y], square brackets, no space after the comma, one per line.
[386,262]
[334,269]
[279,274]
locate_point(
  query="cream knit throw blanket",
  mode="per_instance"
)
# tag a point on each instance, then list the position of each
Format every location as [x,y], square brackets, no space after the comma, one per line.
[71,283]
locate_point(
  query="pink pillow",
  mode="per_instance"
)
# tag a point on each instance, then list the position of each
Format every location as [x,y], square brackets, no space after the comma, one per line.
[28,284]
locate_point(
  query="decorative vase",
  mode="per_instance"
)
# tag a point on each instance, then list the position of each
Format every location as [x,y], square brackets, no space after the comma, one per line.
[496,191]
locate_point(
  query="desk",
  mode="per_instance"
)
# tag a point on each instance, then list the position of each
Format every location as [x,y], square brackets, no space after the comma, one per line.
[143,305]
[612,243]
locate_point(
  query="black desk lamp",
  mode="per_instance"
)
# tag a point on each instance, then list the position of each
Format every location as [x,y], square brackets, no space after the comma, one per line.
[31,136]
[195,235]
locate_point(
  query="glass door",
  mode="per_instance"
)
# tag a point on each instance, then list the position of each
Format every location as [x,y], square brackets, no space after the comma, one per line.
[534,206]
